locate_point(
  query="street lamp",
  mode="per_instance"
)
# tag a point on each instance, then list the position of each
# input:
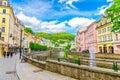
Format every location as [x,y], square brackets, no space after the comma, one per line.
[21,43]
[0,32]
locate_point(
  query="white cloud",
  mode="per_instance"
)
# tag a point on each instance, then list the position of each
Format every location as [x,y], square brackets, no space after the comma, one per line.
[102,9]
[77,22]
[61,1]
[109,0]
[69,3]
[53,26]
[38,8]
[40,26]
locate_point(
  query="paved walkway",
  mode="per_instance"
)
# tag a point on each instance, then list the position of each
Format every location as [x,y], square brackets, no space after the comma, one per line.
[27,71]
[6,66]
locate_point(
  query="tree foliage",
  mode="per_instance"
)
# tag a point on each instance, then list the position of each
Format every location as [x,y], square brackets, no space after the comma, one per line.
[37,47]
[113,13]
[66,50]
[29,30]
[60,38]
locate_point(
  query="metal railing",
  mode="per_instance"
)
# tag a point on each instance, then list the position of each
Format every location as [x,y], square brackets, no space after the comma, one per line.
[104,63]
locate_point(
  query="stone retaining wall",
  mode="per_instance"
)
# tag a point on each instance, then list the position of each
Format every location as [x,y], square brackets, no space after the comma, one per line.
[98,55]
[79,72]
[34,62]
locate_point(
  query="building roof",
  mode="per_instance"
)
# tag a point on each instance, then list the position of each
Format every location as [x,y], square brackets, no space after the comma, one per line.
[82,29]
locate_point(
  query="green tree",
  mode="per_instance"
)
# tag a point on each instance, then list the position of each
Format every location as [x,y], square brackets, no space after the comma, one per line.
[60,38]
[27,29]
[66,49]
[113,13]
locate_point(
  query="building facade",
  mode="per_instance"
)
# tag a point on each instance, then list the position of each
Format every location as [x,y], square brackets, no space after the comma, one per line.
[11,27]
[91,37]
[105,36]
[77,42]
[88,37]
[116,38]
[82,38]
[27,39]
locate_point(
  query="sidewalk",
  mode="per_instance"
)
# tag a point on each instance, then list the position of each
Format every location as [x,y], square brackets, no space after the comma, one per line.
[27,71]
[7,68]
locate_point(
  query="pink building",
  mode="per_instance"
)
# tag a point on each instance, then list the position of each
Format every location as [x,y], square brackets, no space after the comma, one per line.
[116,42]
[91,37]
[88,37]
[82,38]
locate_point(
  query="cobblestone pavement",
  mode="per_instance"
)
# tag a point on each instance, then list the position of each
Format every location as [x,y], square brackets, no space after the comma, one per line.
[26,71]
[7,68]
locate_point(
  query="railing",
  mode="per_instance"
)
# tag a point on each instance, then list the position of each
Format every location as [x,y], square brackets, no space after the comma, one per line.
[104,63]
[113,64]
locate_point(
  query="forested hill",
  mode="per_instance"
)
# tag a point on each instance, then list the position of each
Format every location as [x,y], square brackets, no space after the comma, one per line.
[60,37]
[57,36]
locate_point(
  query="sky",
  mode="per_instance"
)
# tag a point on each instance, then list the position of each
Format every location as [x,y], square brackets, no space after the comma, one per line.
[53,16]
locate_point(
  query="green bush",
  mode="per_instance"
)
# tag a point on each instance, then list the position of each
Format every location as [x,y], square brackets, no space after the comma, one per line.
[37,46]
[75,58]
[101,65]
[115,67]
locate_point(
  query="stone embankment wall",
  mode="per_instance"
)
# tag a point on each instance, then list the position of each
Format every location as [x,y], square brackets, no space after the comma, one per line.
[79,72]
[98,55]
[34,62]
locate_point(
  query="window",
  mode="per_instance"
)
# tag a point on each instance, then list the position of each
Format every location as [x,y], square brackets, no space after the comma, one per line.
[2,38]
[4,3]
[105,29]
[3,20]
[116,36]
[109,28]
[3,29]
[4,11]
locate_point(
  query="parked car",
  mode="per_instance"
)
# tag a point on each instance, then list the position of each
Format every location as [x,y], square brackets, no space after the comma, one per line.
[85,51]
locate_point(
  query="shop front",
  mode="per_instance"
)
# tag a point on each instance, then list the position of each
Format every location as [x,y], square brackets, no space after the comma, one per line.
[106,48]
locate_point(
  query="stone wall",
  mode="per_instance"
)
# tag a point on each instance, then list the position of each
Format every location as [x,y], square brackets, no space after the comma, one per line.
[98,55]
[79,72]
[34,62]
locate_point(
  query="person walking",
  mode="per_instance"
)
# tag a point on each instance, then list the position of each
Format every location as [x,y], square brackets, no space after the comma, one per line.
[4,54]
[8,54]
[11,52]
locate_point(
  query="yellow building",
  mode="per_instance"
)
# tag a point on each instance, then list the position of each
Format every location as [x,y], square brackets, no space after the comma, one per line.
[105,36]
[7,20]
[11,28]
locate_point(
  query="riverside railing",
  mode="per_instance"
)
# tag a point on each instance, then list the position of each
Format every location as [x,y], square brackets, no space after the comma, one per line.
[103,63]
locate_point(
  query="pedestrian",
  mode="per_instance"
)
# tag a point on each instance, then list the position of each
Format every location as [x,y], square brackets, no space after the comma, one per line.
[8,54]
[11,54]
[4,53]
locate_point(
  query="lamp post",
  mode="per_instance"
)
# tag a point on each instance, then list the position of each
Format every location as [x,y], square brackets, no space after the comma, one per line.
[21,43]
[0,32]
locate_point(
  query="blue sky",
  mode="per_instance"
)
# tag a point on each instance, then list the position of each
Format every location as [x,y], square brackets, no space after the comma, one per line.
[59,15]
